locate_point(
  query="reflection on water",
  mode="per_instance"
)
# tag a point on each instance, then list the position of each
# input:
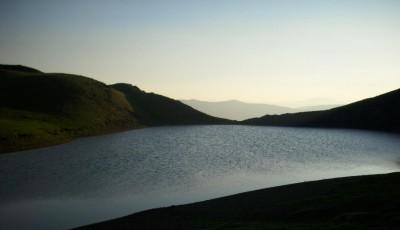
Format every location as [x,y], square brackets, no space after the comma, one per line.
[98,178]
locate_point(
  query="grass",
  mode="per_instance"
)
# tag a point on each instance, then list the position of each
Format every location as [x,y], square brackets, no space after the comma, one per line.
[26,134]
[39,109]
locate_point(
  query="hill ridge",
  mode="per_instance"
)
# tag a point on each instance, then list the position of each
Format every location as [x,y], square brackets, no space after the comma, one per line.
[380,112]
[39,109]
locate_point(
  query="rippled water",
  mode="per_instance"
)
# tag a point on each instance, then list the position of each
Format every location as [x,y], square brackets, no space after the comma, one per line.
[98,178]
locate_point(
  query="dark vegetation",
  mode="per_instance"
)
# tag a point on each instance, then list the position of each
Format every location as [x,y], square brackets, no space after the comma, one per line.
[39,109]
[361,202]
[377,113]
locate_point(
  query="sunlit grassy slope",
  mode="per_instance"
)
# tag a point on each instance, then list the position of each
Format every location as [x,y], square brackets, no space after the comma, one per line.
[39,109]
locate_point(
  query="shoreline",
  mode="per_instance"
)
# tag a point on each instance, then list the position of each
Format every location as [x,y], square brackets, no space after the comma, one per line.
[67,140]
[39,146]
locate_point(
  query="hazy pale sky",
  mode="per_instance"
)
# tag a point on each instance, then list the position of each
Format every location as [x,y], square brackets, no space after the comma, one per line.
[280,52]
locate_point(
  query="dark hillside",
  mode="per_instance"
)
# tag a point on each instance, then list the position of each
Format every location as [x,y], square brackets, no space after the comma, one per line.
[378,113]
[153,109]
[19,68]
[39,109]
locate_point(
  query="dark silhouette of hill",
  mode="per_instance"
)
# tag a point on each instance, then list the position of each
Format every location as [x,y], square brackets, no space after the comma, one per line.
[378,113]
[361,202]
[39,109]
[153,109]
[19,68]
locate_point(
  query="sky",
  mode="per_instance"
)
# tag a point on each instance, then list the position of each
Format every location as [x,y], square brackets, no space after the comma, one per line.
[287,52]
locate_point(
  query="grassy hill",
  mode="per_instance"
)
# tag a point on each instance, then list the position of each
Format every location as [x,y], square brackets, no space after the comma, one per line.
[362,202]
[378,113]
[39,109]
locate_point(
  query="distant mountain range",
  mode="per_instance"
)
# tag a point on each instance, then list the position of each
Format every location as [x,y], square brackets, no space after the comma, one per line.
[238,110]
[378,113]
[39,109]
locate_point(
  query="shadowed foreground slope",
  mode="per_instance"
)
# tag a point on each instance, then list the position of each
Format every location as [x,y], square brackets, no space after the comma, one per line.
[378,113]
[39,109]
[361,202]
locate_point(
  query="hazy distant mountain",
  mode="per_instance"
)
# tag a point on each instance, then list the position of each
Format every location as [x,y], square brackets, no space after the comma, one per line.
[310,102]
[39,109]
[315,108]
[237,110]
[378,113]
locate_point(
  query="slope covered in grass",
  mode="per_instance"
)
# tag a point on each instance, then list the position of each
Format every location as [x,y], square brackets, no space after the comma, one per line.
[378,113]
[39,109]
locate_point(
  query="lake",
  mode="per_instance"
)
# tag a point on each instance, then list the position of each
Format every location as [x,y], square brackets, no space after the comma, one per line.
[98,178]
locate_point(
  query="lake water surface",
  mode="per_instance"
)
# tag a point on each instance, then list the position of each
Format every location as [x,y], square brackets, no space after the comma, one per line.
[98,178]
